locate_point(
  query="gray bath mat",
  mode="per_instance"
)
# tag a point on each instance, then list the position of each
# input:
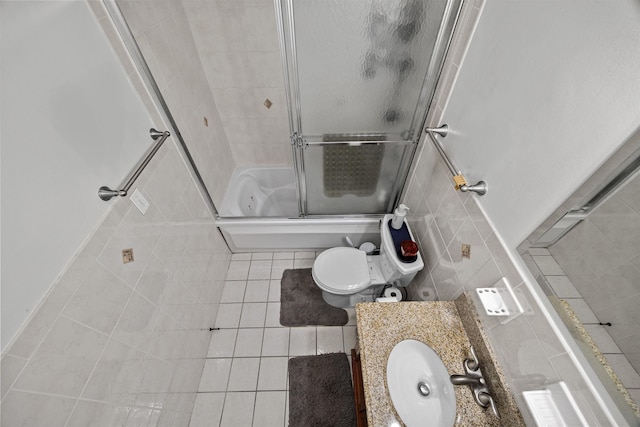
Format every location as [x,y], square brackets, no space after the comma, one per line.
[320,391]
[301,302]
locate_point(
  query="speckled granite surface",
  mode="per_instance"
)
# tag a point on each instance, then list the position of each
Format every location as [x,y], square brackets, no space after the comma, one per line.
[496,382]
[580,333]
[382,325]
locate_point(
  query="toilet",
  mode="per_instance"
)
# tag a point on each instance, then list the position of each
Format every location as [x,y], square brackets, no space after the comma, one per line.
[348,275]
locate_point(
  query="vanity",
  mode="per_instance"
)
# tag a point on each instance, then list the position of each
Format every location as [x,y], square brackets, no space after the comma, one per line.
[440,325]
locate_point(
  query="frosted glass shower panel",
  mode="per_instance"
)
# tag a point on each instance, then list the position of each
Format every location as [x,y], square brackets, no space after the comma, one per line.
[353,179]
[362,64]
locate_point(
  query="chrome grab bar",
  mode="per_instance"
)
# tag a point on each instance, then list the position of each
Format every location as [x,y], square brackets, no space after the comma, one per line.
[105,193]
[460,183]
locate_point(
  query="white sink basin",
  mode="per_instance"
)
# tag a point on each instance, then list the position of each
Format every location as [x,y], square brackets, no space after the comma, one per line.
[419,385]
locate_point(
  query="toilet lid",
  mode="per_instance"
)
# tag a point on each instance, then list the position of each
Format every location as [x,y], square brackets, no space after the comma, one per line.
[341,271]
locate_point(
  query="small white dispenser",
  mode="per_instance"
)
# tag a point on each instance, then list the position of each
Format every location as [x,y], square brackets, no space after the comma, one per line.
[398,217]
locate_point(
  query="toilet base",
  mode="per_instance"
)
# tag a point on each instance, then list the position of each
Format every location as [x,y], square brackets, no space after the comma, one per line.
[350,301]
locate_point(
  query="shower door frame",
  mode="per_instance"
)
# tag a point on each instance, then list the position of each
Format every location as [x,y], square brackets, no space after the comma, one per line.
[286,31]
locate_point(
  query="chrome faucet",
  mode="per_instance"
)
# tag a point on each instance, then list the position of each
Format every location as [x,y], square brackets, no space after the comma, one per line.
[474,379]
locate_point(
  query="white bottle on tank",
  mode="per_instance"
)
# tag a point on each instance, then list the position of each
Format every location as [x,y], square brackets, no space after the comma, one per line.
[398,217]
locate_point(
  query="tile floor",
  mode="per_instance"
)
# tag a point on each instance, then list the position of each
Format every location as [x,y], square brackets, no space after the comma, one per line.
[244,382]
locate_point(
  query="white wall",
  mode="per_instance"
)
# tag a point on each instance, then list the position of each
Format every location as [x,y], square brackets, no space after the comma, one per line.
[548,90]
[71,123]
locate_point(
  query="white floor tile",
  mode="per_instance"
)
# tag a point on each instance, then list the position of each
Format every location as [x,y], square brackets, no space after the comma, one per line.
[305,255]
[330,339]
[260,270]
[635,394]
[276,342]
[257,291]
[302,341]
[238,409]
[238,270]
[563,287]
[279,266]
[302,263]
[582,310]
[244,374]
[261,255]
[603,340]
[253,315]
[249,342]
[207,410]
[548,265]
[215,375]
[270,409]
[350,338]
[283,255]
[222,343]
[351,312]
[241,257]
[624,370]
[233,291]
[273,315]
[228,315]
[274,291]
[273,373]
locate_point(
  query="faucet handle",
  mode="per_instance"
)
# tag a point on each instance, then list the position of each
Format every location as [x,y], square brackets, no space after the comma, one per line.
[472,365]
[486,400]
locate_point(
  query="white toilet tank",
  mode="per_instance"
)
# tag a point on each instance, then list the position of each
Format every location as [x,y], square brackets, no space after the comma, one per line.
[391,265]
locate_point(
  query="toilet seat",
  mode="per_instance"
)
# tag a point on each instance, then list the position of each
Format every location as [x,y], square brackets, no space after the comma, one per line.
[341,271]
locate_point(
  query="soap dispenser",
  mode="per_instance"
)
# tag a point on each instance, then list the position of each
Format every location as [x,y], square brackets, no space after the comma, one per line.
[398,217]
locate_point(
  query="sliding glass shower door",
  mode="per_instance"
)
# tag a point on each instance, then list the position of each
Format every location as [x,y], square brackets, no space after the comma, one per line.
[360,76]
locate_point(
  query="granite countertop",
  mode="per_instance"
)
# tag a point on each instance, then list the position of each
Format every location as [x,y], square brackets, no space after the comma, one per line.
[382,325]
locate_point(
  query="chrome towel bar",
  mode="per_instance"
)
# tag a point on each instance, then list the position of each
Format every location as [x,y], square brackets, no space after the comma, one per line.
[459,181]
[105,193]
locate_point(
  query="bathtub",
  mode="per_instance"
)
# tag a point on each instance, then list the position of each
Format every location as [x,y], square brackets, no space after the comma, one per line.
[264,234]
[269,192]
[260,213]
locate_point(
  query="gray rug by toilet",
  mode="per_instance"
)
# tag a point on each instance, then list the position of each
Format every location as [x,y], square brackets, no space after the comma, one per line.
[301,302]
[320,391]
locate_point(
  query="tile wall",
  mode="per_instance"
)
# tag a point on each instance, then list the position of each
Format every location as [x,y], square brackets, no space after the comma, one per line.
[125,344]
[443,219]
[164,35]
[238,45]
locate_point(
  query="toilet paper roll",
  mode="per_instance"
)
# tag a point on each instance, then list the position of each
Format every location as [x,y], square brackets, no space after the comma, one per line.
[393,292]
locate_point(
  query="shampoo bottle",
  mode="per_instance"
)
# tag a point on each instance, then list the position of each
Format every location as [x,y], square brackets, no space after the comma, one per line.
[398,217]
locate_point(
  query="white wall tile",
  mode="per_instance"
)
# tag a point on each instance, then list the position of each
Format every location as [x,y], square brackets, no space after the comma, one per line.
[18,409]
[96,414]
[178,275]
[63,362]
[117,376]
